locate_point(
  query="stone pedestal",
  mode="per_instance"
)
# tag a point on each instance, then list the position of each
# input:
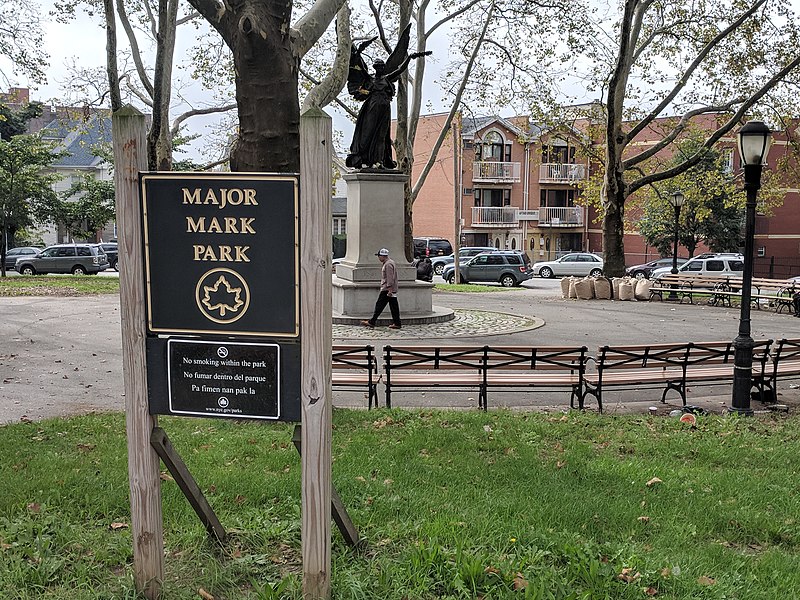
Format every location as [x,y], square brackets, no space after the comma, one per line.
[375,220]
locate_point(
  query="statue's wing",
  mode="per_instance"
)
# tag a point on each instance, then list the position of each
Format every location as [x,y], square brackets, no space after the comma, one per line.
[357,75]
[400,52]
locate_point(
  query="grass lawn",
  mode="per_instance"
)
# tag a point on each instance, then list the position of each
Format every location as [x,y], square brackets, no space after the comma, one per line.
[453,505]
[469,287]
[58,285]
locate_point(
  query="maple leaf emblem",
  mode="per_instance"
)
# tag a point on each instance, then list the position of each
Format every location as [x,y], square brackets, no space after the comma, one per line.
[224,300]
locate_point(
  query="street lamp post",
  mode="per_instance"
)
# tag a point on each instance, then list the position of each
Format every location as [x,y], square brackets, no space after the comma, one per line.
[755,138]
[676,199]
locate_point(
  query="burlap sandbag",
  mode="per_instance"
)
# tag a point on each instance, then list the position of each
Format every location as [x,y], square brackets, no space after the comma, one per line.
[584,288]
[615,285]
[565,287]
[626,291]
[643,289]
[602,288]
[572,292]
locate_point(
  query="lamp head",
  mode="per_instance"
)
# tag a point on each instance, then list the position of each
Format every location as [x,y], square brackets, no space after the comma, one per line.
[754,140]
[676,199]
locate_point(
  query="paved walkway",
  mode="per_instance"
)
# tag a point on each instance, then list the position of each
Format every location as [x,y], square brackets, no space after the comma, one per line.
[62,356]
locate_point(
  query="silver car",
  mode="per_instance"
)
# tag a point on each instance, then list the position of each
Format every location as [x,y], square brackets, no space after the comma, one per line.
[576,263]
[78,259]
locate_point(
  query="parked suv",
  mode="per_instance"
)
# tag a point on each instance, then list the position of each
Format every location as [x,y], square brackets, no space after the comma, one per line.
[16,253]
[112,252]
[429,246]
[709,265]
[464,254]
[508,268]
[78,259]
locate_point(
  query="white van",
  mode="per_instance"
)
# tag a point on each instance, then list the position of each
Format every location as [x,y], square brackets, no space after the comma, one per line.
[709,265]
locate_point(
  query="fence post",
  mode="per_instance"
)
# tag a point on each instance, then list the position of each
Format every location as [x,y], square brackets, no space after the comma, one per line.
[315,319]
[130,157]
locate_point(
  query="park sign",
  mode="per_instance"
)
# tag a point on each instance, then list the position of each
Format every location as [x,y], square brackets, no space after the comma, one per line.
[222,298]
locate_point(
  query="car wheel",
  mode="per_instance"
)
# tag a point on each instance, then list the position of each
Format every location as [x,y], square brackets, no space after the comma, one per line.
[595,273]
[640,275]
[451,279]
[28,270]
[78,270]
[546,273]
[115,266]
[438,268]
[508,281]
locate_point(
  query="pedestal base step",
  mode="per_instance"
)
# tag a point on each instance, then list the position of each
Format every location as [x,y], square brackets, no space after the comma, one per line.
[439,314]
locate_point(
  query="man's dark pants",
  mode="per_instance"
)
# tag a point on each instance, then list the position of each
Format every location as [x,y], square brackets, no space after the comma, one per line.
[394,307]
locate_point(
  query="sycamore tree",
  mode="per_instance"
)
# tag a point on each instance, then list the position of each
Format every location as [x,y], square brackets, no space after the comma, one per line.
[720,61]
[26,193]
[21,41]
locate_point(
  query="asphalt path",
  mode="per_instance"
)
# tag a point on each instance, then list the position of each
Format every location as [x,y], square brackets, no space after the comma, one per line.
[62,356]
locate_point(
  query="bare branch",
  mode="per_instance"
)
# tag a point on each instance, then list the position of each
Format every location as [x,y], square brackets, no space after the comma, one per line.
[151,19]
[190,17]
[176,123]
[720,132]
[216,163]
[313,24]
[146,100]
[336,101]
[450,17]
[692,67]
[135,52]
[111,55]
[456,103]
[324,92]
[379,24]
[684,122]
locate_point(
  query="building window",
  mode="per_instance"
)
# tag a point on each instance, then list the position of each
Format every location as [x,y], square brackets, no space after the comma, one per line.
[762,251]
[556,197]
[726,157]
[468,191]
[492,147]
[560,154]
[477,193]
[468,144]
[506,197]
[508,153]
[339,225]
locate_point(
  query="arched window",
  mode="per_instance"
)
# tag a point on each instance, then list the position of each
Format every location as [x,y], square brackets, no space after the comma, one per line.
[513,243]
[492,146]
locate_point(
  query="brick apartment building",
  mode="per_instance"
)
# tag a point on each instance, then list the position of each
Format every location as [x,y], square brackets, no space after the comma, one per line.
[514,185]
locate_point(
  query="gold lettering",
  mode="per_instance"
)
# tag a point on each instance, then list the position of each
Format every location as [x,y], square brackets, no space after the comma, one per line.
[240,253]
[191,197]
[209,254]
[235,196]
[230,225]
[225,253]
[197,251]
[250,197]
[244,225]
[214,226]
[193,226]
[210,197]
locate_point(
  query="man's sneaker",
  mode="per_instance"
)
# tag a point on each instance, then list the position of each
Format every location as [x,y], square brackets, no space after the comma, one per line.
[393,326]
[368,324]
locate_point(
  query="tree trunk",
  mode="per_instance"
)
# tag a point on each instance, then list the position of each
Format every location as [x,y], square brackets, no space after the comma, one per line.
[269,112]
[159,139]
[613,226]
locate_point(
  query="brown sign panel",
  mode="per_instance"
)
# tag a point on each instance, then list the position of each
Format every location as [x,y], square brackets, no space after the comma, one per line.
[221,253]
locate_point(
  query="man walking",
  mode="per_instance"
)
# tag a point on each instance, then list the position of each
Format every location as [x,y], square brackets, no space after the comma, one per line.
[388,293]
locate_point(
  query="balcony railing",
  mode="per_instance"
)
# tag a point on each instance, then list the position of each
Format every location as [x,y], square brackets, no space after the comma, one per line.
[494,216]
[561,173]
[561,216]
[496,172]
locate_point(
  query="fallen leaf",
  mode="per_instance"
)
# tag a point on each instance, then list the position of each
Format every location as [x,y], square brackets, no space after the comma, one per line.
[491,570]
[240,499]
[164,476]
[487,428]
[628,576]
[643,519]
[651,591]
[361,479]
[34,507]
[560,464]
[666,572]
[204,594]
[118,525]
[653,481]
[703,580]
[520,583]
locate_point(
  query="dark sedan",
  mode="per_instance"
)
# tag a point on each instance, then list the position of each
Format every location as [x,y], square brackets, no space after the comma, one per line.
[14,253]
[644,271]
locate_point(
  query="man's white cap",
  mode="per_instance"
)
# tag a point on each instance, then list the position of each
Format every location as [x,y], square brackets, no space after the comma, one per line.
[382,252]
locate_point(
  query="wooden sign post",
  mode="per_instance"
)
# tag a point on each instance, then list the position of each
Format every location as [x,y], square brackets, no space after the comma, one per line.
[315,317]
[130,157]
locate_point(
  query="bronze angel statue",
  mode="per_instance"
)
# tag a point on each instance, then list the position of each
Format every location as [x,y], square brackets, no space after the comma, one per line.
[372,144]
